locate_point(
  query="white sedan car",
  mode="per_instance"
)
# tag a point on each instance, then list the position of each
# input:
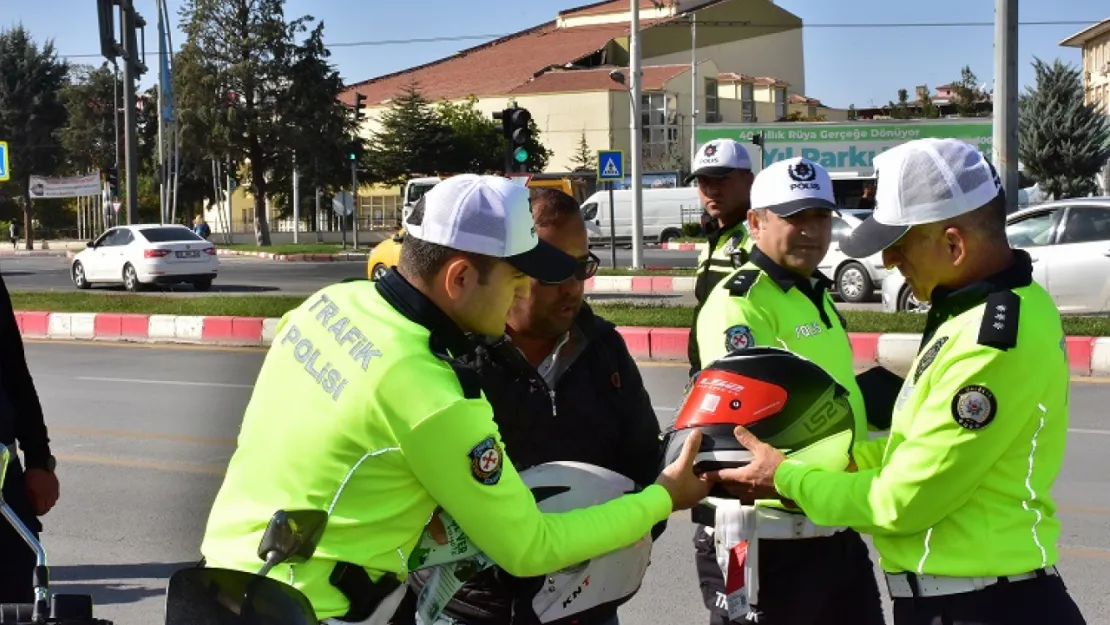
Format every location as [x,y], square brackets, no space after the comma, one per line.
[1069,242]
[139,255]
[854,279]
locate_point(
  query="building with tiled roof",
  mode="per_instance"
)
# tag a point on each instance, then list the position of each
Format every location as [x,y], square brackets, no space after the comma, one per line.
[748,62]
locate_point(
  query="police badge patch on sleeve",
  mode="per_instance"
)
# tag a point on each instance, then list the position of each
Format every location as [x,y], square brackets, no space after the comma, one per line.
[738,338]
[974,406]
[485,461]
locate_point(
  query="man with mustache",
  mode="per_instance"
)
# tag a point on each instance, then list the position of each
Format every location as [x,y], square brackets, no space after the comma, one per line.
[563,387]
[779,299]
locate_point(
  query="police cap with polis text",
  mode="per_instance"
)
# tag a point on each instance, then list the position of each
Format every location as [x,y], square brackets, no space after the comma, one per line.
[791,186]
[921,182]
[717,158]
[491,216]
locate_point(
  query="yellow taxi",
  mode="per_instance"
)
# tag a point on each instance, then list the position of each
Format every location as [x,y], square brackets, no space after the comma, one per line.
[384,256]
[387,254]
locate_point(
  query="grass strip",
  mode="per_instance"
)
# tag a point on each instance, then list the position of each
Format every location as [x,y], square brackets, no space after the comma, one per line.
[639,315]
[291,248]
[241,306]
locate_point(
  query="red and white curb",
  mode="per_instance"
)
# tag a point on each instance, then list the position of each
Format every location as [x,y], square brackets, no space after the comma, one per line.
[682,247]
[641,284]
[1087,355]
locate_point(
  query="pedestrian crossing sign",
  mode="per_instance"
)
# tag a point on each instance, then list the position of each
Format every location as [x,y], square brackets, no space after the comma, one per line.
[5,174]
[610,165]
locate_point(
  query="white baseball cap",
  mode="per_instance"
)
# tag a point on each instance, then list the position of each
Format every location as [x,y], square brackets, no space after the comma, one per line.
[719,157]
[921,182]
[791,186]
[492,216]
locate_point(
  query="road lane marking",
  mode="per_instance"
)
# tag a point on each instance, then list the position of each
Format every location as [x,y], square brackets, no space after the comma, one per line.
[166,382]
[139,463]
[176,438]
[149,345]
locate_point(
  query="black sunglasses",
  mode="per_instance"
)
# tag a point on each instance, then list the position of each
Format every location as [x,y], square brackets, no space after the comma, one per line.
[586,269]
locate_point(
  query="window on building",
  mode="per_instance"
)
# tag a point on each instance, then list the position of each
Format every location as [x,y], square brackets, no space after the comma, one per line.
[712,103]
[747,102]
[780,102]
[660,123]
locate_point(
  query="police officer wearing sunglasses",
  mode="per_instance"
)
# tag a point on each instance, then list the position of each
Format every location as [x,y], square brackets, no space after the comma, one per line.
[563,387]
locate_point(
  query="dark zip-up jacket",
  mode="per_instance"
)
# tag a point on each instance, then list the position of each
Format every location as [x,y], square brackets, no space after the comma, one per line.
[598,413]
[20,411]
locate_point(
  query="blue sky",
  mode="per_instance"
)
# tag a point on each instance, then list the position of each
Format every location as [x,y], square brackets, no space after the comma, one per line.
[859,65]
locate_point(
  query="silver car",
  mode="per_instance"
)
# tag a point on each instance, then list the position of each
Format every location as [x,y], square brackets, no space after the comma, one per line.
[1069,242]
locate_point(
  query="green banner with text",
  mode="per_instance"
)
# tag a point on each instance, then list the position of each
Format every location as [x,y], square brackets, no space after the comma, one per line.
[845,146]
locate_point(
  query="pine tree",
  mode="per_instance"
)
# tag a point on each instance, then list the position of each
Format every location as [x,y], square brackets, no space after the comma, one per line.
[1063,142]
[583,159]
[410,139]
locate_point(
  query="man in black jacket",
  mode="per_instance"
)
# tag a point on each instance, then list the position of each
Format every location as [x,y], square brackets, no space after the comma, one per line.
[31,493]
[563,387]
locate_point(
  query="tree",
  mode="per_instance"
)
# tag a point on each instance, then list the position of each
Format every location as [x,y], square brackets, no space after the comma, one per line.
[476,145]
[583,159]
[901,109]
[969,97]
[1062,142]
[31,112]
[89,136]
[798,116]
[928,109]
[233,71]
[410,140]
[321,130]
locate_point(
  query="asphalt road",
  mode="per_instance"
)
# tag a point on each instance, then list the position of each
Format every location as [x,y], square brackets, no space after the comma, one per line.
[251,276]
[142,435]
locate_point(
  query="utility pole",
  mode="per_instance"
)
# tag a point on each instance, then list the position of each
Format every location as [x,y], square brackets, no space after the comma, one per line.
[126,47]
[1005,104]
[360,104]
[693,87]
[637,152]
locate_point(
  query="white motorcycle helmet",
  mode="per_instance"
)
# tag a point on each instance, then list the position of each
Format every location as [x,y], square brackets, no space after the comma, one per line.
[604,582]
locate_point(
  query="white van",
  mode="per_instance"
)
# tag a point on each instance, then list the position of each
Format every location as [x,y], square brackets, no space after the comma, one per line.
[664,211]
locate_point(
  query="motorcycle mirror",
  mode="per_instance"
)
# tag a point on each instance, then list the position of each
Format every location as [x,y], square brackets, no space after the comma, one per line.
[291,536]
[212,596]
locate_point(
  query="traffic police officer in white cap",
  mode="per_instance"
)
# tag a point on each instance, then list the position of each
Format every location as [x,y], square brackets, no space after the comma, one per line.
[824,576]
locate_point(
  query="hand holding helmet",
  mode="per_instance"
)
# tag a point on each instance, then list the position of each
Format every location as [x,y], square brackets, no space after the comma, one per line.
[685,486]
[755,480]
[753,409]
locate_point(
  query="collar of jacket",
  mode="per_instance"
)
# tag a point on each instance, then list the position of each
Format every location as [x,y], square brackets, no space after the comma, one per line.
[446,336]
[947,302]
[501,349]
[785,278]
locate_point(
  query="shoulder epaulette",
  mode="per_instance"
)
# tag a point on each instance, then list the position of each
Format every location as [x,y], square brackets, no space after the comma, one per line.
[999,328]
[739,284]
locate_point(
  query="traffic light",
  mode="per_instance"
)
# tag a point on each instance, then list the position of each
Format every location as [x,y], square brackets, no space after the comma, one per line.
[514,127]
[359,99]
[354,150]
[111,176]
[519,135]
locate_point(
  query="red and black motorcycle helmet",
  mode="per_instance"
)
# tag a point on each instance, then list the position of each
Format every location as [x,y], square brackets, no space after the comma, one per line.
[785,400]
